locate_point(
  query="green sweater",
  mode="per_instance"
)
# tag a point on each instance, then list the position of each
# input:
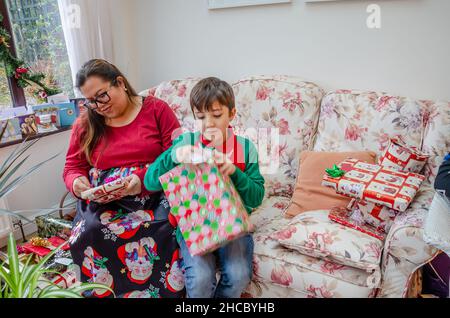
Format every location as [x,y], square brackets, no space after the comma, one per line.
[247,178]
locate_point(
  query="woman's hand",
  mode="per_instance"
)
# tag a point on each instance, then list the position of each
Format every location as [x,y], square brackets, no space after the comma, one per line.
[225,165]
[134,185]
[79,185]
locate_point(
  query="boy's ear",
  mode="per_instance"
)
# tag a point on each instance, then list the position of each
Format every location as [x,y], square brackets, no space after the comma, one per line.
[232,114]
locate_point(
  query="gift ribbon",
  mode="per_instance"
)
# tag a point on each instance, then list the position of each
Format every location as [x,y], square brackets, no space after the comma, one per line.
[152,255]
[100,262]
[335,172]
[120,215]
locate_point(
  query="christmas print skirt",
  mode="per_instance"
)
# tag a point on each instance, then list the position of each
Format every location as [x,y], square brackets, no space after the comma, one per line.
[128,245]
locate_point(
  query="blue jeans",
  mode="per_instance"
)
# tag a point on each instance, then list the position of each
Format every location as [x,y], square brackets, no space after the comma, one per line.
[234,262]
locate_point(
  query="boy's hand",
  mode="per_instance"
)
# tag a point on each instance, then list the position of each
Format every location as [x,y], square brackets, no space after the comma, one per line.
[225,165]
[190,154]
[183,154]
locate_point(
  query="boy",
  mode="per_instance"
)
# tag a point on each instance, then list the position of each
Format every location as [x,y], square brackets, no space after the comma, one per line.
[213,105]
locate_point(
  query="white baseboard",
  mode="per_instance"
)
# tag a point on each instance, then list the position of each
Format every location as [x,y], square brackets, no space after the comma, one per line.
[28,228]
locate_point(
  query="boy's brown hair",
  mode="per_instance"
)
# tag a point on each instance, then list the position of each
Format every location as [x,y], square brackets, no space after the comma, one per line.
[209,90]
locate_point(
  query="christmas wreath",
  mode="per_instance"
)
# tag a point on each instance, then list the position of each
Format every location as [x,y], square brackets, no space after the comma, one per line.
[17,68]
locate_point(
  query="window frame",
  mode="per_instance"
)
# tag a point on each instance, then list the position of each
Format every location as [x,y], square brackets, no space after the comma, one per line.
[17,92]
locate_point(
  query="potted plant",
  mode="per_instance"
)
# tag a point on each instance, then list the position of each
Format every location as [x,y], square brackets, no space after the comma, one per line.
[28,280]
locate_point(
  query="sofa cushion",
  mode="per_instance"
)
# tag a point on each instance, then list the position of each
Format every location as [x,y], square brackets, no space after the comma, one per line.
[176,93]
[278,113]
[350,121]
[279,271]
[436,140]
[270,209]
[309,194]
[314,234]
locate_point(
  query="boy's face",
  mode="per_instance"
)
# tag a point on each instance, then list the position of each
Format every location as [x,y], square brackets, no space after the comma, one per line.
[214,122]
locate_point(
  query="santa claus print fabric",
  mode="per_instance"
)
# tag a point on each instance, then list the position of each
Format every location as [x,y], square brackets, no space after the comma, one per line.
[128,245]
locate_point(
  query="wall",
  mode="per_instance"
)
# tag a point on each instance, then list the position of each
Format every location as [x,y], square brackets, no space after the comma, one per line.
[44,189]
[328,43]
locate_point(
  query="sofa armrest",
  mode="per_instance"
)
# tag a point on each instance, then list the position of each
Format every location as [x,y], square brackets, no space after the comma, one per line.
[405,250]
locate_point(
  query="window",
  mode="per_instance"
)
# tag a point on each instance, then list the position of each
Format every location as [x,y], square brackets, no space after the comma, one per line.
[37,39]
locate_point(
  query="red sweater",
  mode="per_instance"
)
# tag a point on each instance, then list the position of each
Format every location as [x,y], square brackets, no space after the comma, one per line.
[135,144]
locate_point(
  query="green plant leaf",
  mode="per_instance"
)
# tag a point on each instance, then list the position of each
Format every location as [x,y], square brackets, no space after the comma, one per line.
[90,286]
[19,180]
[5,276]
[4,179]
[14,214]
[13,263]
[16,153]
[54,291]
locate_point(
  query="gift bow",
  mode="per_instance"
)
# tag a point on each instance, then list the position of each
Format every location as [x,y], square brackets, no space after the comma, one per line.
[335,172]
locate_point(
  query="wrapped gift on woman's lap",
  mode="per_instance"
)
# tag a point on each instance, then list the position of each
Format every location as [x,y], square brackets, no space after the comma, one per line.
[374,183]
[206,205]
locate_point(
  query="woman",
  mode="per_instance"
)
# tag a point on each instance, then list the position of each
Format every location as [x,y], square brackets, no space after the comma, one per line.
[128,244]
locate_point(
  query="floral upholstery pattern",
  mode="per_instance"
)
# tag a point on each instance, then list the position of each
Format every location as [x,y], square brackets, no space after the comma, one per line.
[176,93]
[263,105]
[342,120]
[314,234]
[284,103]
[436,141]
[351,121]
[405,250]
[275,266]
[423,124]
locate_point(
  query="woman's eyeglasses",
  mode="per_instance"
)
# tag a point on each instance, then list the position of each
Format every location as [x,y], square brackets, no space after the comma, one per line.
[102,99]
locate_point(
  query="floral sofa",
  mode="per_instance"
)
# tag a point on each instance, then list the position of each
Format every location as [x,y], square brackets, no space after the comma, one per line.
[335,261]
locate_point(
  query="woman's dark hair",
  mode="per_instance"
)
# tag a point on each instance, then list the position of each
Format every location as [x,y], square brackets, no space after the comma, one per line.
[210,90]
[92,124]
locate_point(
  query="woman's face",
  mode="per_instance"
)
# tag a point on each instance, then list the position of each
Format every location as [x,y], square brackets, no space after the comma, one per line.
[114,105]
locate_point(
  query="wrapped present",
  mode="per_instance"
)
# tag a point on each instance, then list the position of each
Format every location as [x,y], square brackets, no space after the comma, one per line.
[58,263]
[66,279]
[206,205]
[40,246]
[49,225]
[379,216]
[375,183]
[107,192]
[400,156]
[344,216]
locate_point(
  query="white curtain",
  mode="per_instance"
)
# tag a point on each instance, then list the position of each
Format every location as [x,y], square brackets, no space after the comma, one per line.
[87,31]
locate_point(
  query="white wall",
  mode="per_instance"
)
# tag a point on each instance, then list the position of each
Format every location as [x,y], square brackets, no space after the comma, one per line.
[327,43]
[44,189]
